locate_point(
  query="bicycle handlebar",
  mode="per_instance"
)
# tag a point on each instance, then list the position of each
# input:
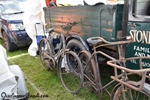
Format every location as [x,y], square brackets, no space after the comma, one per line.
[121,41]
[107,43]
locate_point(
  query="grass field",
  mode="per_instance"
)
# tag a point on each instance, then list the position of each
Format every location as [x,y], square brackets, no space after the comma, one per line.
[46,83]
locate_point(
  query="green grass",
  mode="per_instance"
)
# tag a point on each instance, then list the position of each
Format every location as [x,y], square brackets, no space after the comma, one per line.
[45,82]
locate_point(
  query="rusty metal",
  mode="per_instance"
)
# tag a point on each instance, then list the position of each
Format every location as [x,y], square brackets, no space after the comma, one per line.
[92,61]
[97,42]
[119,64]
[51,56]
[141,72]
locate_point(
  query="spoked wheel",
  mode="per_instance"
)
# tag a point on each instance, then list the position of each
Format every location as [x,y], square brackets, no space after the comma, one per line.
[70,72]
[46,56]
[89,68]
[122,92]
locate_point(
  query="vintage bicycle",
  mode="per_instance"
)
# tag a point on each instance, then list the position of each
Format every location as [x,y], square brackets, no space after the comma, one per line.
[125,89]
[53,52]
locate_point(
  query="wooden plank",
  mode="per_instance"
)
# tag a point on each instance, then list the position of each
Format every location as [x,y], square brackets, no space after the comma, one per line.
[92,21]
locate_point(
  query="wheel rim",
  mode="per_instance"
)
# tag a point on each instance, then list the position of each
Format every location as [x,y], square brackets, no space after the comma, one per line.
[46,58]
[89,67]
[71,79]
[125,93]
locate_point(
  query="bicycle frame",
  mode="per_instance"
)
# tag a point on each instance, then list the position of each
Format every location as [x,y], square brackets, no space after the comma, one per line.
[67,61]
[101,88]
[63,49]
[51,57]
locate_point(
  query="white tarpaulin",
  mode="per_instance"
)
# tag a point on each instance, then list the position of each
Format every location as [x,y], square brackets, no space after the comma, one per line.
[8,83]
[12,82]
[34,14]
[93,2]
[88,2]
[110,2]
[70,2]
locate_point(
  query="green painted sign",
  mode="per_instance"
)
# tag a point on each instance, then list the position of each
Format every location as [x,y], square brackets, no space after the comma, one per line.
[138,28]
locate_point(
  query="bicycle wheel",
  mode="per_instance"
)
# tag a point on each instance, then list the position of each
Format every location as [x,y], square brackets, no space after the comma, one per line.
[45,52]
[89,67]
[70,72]
[90,72]
[122,92]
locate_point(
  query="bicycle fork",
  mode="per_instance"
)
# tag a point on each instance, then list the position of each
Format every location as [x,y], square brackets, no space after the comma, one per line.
[98,89]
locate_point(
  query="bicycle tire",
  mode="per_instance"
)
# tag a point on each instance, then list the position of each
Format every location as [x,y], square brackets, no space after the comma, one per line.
[91,71]
[71,78]
[129,94]
[75,45]
[47,61]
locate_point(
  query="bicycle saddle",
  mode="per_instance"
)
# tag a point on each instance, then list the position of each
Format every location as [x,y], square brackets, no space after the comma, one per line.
[94,40]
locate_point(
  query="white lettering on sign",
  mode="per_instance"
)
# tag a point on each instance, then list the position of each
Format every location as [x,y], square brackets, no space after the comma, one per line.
[141,52]
[133,61]
[141,49]
[145,64]
[140,36]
